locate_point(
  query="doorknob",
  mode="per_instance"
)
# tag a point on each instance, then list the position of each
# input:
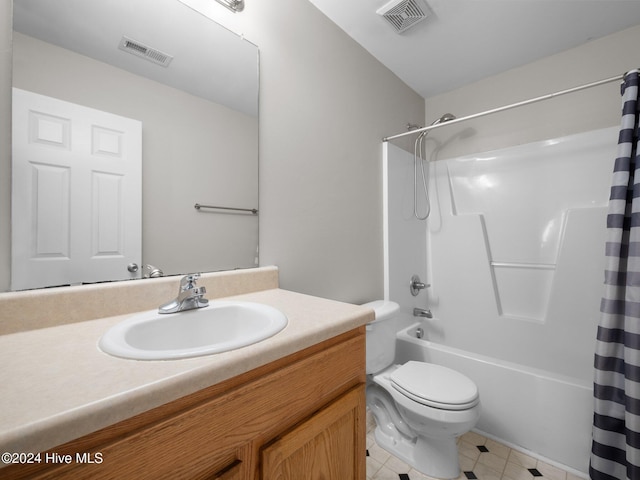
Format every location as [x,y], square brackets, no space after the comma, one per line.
[132,267]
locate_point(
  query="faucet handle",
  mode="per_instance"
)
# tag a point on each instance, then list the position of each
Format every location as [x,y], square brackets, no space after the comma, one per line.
[416,285]
[189,281]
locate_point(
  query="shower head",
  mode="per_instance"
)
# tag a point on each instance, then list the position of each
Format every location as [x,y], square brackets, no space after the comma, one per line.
[447,117]
[444,118]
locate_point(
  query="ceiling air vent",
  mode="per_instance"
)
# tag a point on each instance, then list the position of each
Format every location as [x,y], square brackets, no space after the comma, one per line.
[144,51]
[404,14]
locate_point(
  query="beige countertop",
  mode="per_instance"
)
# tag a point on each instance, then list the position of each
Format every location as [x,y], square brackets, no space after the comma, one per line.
[57,385]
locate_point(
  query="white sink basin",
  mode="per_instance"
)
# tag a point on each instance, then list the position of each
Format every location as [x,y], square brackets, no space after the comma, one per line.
[220,327]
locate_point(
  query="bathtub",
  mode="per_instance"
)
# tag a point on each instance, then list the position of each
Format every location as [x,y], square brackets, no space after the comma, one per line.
[543,414]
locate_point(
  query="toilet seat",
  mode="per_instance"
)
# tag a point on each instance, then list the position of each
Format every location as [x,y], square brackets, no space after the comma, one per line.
[435,386]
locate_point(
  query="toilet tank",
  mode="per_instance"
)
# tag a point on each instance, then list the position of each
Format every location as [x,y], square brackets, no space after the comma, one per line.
[381,335]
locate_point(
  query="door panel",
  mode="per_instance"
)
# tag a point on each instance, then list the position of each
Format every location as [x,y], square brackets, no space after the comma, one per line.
[52,204]
[76,193]
[327,446]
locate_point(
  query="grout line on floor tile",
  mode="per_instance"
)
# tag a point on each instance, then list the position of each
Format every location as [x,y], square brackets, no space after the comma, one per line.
[491,460]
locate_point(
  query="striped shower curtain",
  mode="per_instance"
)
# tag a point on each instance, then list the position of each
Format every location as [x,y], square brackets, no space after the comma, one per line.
[615,450]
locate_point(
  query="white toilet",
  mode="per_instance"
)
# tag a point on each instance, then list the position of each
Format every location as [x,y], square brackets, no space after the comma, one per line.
[420,408]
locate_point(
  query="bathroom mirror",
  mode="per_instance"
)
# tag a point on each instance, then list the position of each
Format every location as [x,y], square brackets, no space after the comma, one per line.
[192,84]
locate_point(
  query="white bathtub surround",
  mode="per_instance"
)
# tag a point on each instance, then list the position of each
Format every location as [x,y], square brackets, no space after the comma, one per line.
[514,253]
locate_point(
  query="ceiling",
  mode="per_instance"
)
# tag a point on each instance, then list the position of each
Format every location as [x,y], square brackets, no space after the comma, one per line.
[463,41]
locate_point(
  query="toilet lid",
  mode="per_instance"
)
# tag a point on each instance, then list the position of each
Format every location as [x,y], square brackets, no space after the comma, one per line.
[435,386]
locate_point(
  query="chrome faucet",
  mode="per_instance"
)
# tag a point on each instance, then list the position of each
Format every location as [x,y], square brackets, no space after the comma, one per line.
[189,296]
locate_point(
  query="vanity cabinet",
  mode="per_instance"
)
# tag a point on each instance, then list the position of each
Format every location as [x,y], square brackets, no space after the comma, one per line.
[324,446]
[299,417]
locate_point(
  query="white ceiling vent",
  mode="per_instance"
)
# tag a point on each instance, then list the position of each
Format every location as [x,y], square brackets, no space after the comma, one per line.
[144,51]
[404,14]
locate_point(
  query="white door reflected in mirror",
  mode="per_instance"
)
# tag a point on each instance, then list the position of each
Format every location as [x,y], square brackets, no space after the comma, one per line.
[76,170]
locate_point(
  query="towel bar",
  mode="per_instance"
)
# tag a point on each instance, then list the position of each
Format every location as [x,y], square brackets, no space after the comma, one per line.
[254,211]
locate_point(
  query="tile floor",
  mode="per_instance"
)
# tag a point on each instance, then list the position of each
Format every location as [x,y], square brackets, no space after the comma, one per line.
[480,458]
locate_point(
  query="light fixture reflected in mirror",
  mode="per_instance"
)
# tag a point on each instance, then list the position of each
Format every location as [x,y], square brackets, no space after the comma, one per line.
[233,5]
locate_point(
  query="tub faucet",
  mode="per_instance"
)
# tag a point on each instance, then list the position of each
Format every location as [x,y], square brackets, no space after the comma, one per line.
[189,296]
[421,312]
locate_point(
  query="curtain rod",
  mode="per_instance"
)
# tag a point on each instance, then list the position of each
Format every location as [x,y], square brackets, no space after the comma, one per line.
[508,107]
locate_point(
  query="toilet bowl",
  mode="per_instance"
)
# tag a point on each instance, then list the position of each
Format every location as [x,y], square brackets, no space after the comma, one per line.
[420,408]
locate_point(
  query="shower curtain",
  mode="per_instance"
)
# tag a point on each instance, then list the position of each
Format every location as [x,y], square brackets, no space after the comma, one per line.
[615,450]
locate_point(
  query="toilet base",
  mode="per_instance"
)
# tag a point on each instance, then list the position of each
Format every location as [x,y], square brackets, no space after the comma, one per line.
[433,457]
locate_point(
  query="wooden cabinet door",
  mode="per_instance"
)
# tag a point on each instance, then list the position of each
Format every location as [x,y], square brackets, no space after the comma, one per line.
[327,446]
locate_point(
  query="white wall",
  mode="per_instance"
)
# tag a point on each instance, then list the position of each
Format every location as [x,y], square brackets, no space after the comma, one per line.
[586,110]
[321,157]
[325,104]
